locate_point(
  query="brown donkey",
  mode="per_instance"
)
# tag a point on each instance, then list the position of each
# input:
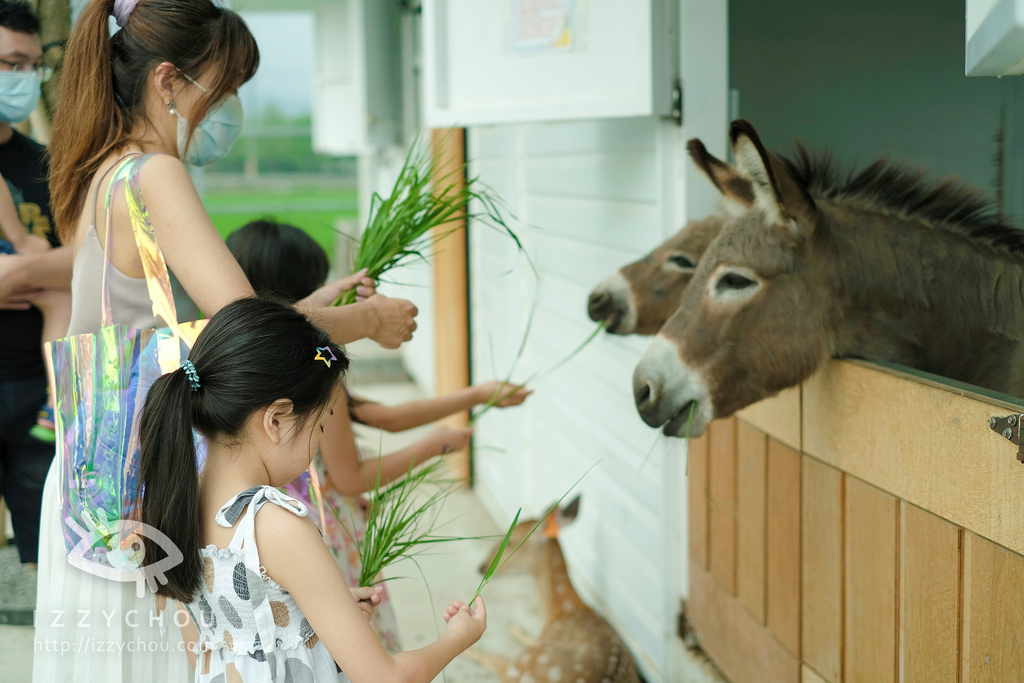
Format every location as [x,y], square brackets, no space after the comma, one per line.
[639,297]
[880,264]
[576,644]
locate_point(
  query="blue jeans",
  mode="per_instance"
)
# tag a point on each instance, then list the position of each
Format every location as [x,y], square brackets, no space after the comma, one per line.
[24,461]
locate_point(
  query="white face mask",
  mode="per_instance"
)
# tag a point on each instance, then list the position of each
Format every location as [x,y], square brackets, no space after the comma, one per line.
[214,136]
[19,94]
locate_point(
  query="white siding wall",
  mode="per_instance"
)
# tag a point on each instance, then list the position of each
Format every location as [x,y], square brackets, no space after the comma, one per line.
[589,197]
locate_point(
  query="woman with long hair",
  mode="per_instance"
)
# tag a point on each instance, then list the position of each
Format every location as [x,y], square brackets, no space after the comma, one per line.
[138,105]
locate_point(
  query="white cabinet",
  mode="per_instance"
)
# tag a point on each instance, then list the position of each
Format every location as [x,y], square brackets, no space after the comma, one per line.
[357,102]
[498,61]
[995,38]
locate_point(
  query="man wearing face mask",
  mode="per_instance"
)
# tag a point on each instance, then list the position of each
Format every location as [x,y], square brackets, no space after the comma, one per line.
[24,460]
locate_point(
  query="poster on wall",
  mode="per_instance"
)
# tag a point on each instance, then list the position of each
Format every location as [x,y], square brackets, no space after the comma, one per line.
[542,25]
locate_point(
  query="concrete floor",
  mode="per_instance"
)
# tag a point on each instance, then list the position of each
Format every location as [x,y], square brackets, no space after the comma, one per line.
[451,572]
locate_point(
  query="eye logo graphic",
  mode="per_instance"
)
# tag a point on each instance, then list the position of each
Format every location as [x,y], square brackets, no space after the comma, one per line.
[125,553]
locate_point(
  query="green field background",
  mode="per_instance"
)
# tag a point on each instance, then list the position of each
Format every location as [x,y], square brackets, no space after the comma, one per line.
[315,210]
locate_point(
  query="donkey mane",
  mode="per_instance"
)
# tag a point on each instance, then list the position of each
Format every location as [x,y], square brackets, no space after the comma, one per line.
[886,187]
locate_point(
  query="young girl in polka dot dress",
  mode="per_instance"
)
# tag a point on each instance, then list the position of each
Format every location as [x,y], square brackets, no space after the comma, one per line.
[282,261]
[266,599]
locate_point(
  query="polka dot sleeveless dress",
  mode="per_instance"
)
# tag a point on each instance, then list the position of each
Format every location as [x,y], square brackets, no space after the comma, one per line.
[250,628]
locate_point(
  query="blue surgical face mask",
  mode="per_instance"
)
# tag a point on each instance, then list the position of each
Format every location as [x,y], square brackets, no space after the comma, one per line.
[19,94]
[213,138]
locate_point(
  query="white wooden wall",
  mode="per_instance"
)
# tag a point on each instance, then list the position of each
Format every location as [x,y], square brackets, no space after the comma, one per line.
[589,197]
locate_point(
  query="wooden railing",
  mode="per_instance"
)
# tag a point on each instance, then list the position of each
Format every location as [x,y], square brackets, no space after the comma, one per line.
[866,526]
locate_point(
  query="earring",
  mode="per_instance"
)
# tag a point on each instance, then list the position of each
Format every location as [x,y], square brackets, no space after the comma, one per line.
[170,107]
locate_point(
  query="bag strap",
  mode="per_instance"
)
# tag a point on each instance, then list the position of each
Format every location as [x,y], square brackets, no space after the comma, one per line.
[158,282]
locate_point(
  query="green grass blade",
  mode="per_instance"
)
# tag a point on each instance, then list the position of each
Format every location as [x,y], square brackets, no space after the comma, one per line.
[491,571]
[497,557]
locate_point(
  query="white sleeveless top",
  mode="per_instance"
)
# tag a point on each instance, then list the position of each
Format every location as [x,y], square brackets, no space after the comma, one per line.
[250,629]
[130,303]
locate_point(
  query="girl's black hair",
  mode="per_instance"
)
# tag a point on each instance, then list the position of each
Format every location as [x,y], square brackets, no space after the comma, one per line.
[279,259]
[252,353]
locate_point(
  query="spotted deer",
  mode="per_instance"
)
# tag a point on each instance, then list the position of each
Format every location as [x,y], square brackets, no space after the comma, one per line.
[576,644]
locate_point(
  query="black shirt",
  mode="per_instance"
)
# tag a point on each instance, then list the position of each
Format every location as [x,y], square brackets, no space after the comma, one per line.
[24,166]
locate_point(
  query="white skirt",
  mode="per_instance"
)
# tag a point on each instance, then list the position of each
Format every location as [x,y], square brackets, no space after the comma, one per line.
[91,629]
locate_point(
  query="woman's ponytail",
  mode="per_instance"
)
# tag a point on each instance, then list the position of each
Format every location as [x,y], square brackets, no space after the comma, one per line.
[169,480]
[87,118]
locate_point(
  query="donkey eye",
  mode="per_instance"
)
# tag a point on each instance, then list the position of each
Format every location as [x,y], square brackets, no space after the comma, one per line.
[734,281]
[681,261]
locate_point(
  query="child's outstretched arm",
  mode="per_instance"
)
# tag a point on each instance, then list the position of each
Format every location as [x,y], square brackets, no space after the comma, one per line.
[404,416]
[319,588]
[351,476]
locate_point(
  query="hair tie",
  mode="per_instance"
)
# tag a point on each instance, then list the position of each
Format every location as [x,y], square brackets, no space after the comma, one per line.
[193,376]
[123,10]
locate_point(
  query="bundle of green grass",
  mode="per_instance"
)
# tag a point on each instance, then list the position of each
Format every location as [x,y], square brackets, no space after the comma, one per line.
[402,226]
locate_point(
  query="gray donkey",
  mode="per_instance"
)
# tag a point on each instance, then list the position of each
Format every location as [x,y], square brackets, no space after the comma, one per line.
[880,264]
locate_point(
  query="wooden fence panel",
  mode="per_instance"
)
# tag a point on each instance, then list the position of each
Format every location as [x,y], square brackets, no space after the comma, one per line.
[697,499]
[993,636]
[864,527]
[929,597]
[752,486]
[821,593]
[924,444]
[744,650]
[871,553]
[722,506]
[782,609]
[809,675]
[778,417]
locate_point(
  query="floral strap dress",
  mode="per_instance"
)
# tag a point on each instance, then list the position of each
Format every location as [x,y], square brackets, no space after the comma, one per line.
[250,629]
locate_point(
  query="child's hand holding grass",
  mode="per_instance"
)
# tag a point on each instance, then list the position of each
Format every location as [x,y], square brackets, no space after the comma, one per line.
[501,394]
[326,295]
[368,599]
[443,440]
[465,624]
[394,320]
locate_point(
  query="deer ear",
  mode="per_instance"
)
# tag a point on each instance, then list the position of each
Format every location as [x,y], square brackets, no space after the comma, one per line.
[568,513]
[726,178]
[776,194]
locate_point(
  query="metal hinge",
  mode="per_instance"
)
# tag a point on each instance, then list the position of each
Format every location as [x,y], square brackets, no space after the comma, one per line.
[677,102]
[1009,427]
[685,630]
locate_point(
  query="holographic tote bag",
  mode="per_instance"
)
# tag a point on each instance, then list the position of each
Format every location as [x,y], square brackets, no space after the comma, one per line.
[99,384]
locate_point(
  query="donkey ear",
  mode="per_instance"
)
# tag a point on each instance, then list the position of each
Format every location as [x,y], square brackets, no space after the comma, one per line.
[776,194]
[725,177]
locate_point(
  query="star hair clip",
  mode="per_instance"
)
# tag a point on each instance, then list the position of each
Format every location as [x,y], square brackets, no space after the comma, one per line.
[320,355]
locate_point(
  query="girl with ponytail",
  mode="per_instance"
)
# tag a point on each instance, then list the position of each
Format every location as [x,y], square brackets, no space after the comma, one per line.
[136,106]
[267,600]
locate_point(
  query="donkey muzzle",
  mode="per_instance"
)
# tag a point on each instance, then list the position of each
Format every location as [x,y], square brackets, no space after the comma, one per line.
[611,300]
[668,394]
